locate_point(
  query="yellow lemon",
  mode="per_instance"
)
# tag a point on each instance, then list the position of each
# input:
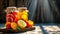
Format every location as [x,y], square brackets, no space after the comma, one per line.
[24,17]
[21,24]
[25,12]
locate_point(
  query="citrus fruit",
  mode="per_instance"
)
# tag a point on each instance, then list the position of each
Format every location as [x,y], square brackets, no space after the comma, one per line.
[10,15]
[24,17]
[18,15]
[9,18]
[21,24]
[25,12]
[29,23]
[13,25]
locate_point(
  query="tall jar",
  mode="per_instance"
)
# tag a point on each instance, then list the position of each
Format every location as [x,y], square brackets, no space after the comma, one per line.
[9,16]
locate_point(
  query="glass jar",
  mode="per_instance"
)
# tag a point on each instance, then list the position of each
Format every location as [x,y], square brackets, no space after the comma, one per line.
[9,16]
[23,13]
[14,14]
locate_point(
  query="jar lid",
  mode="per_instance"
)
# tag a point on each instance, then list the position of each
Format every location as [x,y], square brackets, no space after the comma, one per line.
[21,8]
[10,9]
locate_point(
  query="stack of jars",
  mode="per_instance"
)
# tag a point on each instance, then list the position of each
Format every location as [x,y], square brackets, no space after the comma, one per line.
[17,18]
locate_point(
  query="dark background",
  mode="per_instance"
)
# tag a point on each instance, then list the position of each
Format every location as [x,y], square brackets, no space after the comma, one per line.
[39,15]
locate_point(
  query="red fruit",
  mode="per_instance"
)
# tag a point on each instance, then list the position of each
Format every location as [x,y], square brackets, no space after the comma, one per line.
[15,17]
[8,25]
[27,24]
[10,15]
[9,19]
[14,13]
[15,20]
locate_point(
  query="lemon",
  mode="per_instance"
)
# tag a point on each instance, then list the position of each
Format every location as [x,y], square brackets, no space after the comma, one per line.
[24,12]
[22,24]
[24,17]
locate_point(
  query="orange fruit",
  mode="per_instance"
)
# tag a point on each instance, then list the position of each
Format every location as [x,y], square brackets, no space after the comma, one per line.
[21,24]
[18,15]
[29,23]
[13,25]
[8,25]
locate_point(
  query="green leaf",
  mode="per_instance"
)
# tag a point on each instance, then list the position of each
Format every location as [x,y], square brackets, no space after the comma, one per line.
[18,28]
